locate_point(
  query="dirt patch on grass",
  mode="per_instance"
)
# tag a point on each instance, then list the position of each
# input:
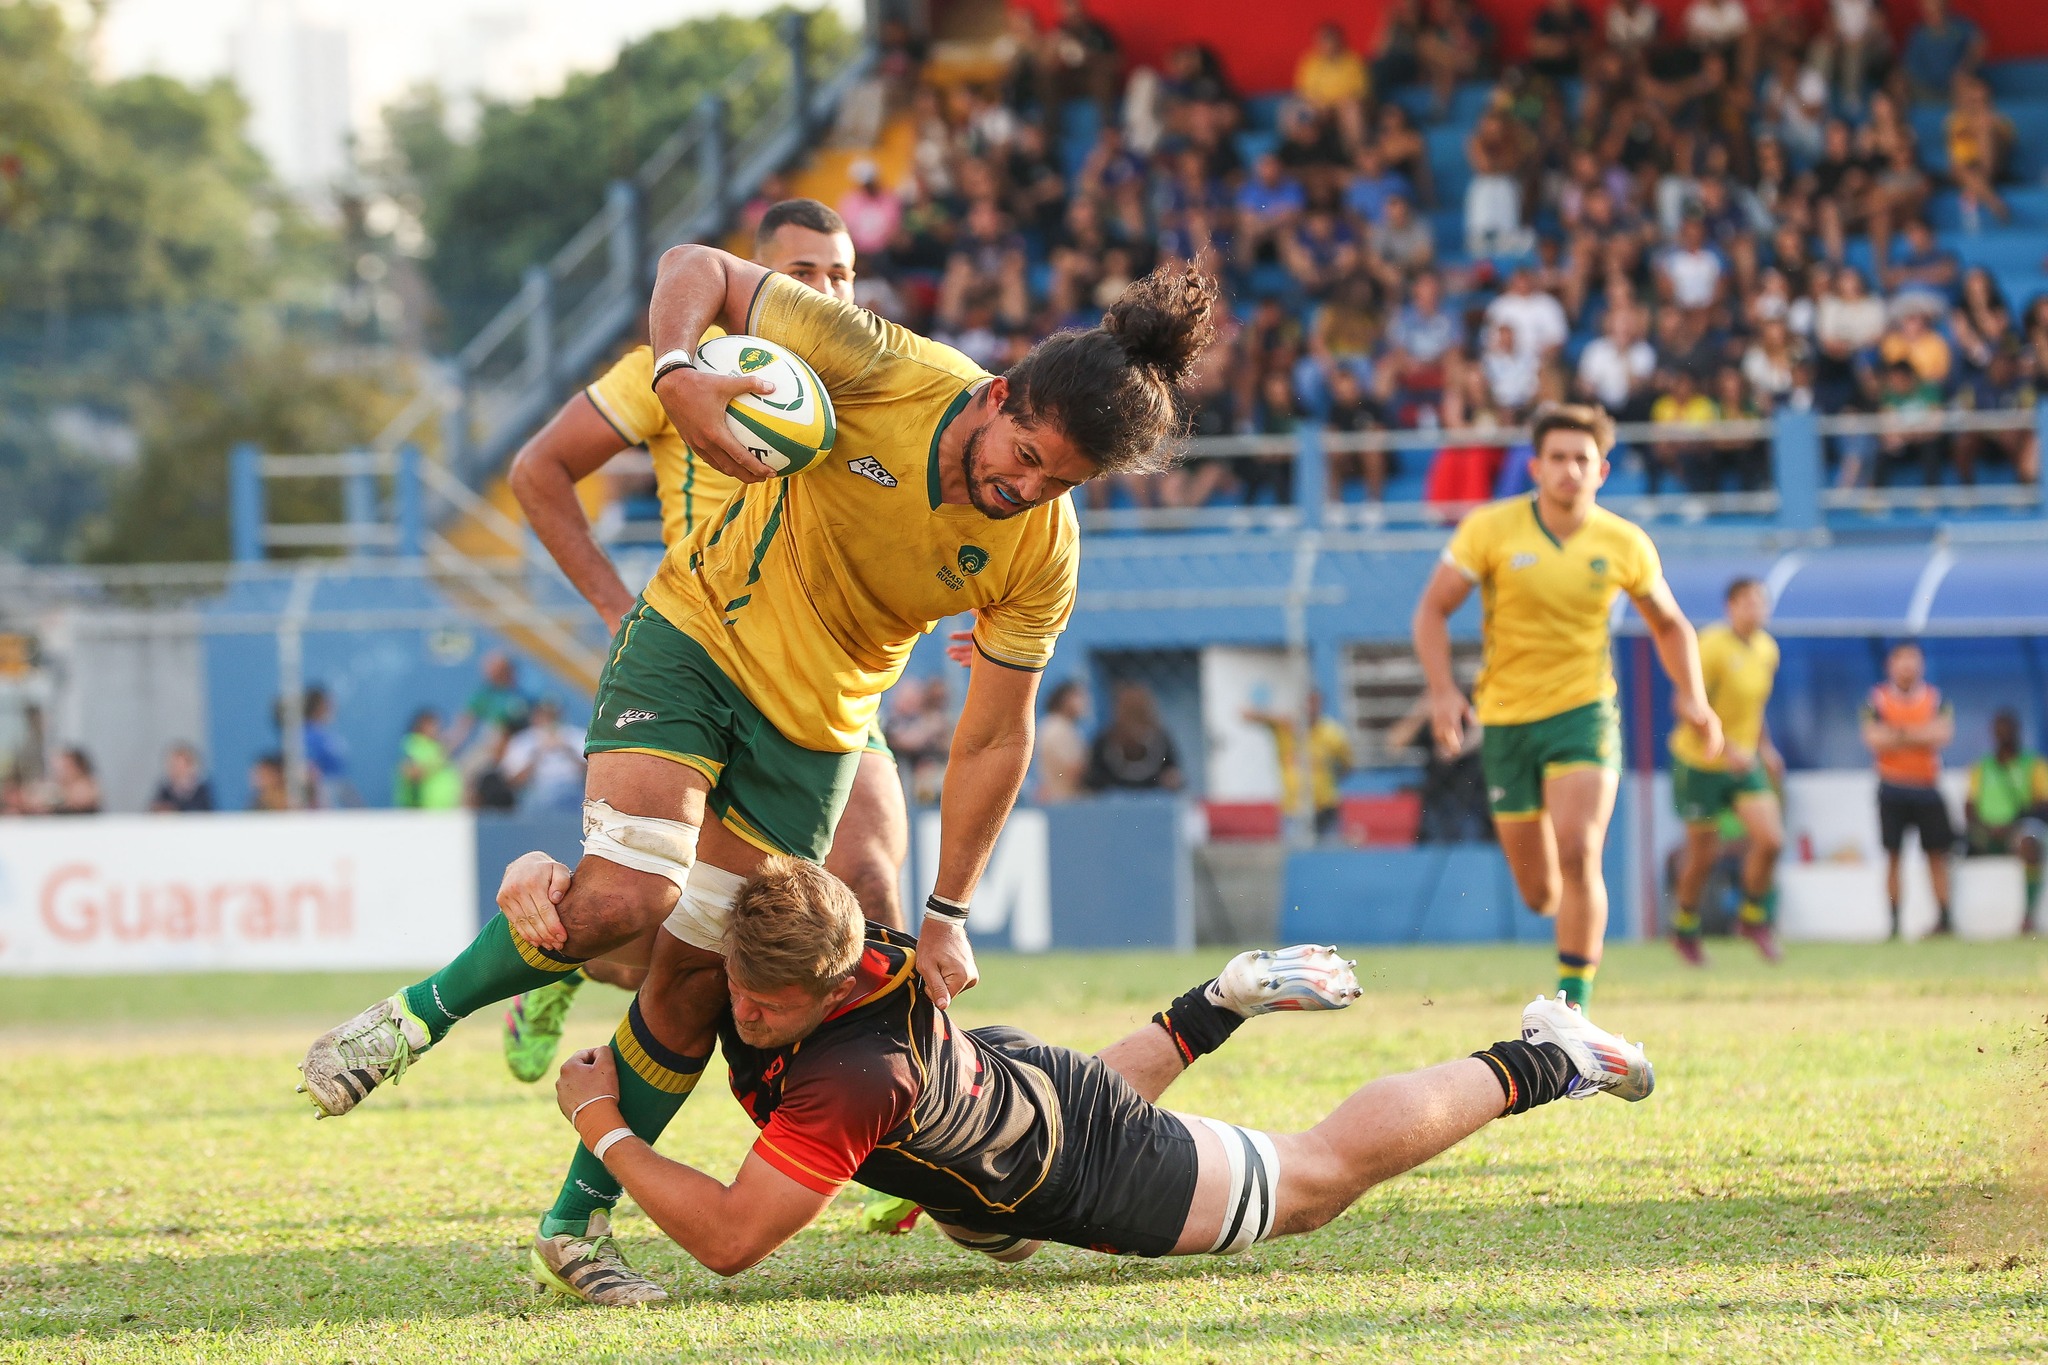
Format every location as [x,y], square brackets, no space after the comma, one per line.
[2005,1226]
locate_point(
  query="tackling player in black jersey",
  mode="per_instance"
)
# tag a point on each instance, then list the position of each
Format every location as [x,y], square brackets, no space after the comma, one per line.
[851,1073]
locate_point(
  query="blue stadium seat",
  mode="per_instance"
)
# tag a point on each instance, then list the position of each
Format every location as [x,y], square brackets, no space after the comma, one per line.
[2029,208]
[1447,163]
[1416,102]
[1447,225]
[2021,79]
[2003,248]
[1469,101]
[1080,123]
[1252,145]
[2021,287]
[1262,112]
[1409,476]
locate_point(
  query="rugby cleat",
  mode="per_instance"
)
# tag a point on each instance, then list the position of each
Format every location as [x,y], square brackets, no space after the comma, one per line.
[590,1267]
[533,1027]
[345,1064]
[1307,976]
[1765,939]
[1690,950]
[1604,1061]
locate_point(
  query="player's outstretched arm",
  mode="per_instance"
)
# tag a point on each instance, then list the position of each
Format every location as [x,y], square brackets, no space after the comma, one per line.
[574,444]
[1678,649]
[727,1228]
[985,770]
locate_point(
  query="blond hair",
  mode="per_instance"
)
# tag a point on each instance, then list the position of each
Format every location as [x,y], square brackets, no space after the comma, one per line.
[793,924]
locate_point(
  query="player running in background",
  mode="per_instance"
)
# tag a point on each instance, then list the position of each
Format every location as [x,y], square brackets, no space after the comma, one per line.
[806,241]
[2007,805]
[1739,661]
[851,1070]
[742,684]
[1906,725]
[1548,568]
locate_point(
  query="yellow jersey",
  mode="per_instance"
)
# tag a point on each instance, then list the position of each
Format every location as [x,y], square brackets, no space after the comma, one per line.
[810,591]
[692,491]
[1545,605]
[1739,676]
[1329,755]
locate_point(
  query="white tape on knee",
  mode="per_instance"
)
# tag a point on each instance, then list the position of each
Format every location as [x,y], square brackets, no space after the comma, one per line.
[700,914]
[664,848]
[1252,1200]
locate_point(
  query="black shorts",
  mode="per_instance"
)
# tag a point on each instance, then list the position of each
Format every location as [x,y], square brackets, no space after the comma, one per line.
[1123,1178]
[1922,808]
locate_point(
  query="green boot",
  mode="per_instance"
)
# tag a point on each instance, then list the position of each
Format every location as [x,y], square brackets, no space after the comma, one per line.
[533,1027]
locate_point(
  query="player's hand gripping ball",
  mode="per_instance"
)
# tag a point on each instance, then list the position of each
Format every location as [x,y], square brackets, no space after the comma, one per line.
[789,429]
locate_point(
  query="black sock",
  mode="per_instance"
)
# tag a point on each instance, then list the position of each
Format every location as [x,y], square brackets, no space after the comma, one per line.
[1529,1073]
[1197,1025]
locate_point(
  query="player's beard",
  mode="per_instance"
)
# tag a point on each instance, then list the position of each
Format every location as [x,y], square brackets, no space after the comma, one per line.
[980,491]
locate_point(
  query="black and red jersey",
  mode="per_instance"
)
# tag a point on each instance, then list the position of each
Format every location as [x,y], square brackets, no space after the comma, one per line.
[890,1092]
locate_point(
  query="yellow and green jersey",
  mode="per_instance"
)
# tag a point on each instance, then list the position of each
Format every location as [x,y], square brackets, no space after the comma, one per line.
[1739,674]
[810,591]
[692,491]
[1545,605]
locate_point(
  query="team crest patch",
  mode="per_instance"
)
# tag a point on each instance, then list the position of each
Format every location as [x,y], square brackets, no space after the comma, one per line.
[1599,566]
[753,358]
[868,467]
[973,559]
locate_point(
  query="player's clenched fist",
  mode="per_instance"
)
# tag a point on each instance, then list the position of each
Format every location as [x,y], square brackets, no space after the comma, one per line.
[534,885]
[945,959]
[696,401]
[589,1075]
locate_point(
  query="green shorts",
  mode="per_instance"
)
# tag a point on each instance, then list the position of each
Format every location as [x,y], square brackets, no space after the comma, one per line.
[877,742]
[1702,795]
[1518,758]
[661,694]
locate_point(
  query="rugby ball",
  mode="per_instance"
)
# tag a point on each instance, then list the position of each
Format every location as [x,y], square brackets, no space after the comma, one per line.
[789,429]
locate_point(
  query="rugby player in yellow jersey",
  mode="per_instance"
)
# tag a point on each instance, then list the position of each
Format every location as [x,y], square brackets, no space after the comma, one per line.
[808,242]
[1739,661]
[1548,568]
[730,718]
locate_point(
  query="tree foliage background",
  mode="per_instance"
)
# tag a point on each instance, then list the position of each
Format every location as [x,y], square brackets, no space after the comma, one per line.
[162,297]
[531,174]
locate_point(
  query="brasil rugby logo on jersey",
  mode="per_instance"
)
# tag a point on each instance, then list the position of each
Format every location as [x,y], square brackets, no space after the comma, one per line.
[973,559]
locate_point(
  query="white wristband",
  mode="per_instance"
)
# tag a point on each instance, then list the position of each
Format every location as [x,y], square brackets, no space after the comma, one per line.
[609,1141]
[585,1105]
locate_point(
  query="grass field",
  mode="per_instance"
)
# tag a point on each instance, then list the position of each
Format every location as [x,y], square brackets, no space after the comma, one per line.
[1843,1161]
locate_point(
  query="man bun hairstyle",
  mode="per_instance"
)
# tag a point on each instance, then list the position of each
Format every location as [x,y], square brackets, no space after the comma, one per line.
[1110,389]
[803,213]
[793,924]
[1590,418]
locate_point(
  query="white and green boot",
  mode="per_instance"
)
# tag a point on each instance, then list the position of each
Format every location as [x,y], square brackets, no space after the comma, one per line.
[345,1064]
[590,1267]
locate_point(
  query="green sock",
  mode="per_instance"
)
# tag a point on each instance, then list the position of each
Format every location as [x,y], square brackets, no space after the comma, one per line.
[653,1083]
[2033,894]
[1761,908]
[497,965]
[1575,978]
[1686,923]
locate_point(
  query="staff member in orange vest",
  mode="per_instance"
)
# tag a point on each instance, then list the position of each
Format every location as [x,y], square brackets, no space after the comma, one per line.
[1906,725]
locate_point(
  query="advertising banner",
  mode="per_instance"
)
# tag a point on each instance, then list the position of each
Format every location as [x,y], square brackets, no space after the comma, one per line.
[325,890]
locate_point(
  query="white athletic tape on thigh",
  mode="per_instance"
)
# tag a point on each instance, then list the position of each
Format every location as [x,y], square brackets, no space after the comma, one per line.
[663,848]
[700,913]
[1253,1197]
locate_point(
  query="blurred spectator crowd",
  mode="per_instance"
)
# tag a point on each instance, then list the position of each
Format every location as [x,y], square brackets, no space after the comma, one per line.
[1686,222]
